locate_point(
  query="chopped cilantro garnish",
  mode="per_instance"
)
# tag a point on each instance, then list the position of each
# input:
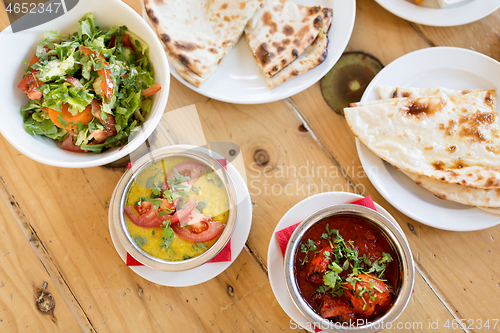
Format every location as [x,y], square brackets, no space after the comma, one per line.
[167,235]
[165,212]
[141,241]
[185,256]
[202,245]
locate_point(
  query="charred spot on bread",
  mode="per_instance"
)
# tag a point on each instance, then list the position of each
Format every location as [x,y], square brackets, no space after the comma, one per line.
[213,50]
[263,55]
[288,30]
[185,46]
[165,38]
[318,23]
[295,53]
[152,16]
[183,59]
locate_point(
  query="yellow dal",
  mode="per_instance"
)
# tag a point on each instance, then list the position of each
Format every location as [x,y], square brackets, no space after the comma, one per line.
[217,208]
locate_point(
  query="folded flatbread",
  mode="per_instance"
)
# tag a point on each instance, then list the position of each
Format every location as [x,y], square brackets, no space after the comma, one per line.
[281,31]
[312,57]
[461,194]
[455,140]
[199,33]
[386,92]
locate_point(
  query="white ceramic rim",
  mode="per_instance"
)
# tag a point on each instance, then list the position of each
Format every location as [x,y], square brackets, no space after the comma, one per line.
[453,15]
[404,194]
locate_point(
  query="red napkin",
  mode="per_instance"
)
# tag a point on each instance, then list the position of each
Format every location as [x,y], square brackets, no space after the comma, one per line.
[223,255]
[283,235]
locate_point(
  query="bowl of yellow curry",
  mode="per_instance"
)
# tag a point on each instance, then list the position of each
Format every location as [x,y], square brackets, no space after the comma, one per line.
[175,208]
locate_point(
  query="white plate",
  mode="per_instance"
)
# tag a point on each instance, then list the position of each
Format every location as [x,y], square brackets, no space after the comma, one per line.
[238,79]
[429,12]
[448,67]
[209,270]
[275,262]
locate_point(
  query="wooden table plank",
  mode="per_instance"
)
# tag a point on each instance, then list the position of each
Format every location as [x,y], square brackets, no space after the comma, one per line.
[68,209]
[22,277]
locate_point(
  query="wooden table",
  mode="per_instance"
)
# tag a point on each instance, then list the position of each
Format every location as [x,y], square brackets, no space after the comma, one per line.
[54,236]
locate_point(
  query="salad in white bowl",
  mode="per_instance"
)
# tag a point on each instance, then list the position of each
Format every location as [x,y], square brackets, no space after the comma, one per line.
[99,91]
[90,89]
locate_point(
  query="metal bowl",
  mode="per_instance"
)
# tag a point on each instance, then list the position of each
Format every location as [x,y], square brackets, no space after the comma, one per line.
[397,241]
[119,197]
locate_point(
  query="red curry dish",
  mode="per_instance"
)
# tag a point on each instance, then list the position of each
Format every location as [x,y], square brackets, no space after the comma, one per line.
[345,271]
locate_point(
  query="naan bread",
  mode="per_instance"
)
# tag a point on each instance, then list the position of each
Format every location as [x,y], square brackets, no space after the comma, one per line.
[386,92]
[491,210]
[461,194]
[312,57]
[199,33]
[454,140]
[281,31]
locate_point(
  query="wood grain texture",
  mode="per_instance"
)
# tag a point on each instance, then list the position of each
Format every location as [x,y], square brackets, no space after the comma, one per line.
[289,150]
[22,277]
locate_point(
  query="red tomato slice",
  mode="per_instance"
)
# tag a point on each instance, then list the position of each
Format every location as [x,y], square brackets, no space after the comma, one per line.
[151,219]
[214,230]
[105,73]
[155,87]
[191,169]
[69,146]
[127,42]
[34,94]
[23,85]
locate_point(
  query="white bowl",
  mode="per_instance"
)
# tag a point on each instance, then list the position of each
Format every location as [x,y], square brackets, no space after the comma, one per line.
[19,47]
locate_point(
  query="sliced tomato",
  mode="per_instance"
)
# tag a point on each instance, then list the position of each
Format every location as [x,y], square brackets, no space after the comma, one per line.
[112,42]
[23,85]
[190,169]
[34,94]
[127,42]
[214,229]
[151,219]
[100,136]
[155,87]
[70,146]
[85,116]
[144,207]
[105,73]
[29,83]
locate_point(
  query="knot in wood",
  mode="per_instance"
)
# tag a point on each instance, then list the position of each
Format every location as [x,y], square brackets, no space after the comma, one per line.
[45,302]
[261,157]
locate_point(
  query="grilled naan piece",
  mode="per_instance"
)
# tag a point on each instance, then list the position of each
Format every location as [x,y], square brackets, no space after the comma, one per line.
[199,33]
[455,140]
[458,193]
[281,31]
[386,92]
[312,57]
